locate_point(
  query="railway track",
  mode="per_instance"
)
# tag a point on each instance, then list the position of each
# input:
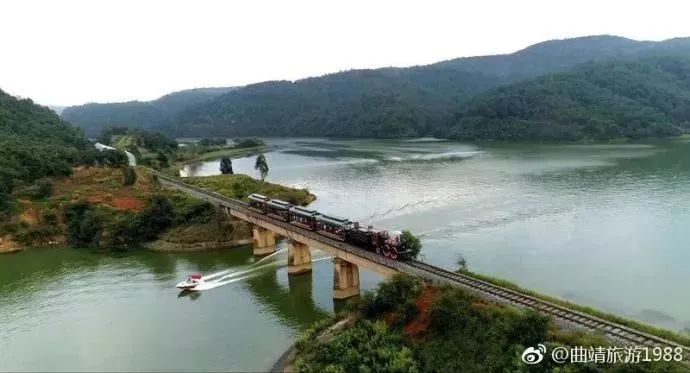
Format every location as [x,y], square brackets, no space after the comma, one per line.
[620,332]
[615,330]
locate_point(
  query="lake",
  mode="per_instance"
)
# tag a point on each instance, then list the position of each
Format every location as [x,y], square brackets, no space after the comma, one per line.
[602,225]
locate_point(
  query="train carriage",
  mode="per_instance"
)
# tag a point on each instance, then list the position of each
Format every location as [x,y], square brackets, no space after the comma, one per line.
[302,217]
[333,227]
[258,203]
[278,209]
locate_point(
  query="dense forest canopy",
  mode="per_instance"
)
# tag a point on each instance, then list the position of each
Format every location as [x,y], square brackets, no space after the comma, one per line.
[387,102]
[361,103]
[598,100]
[34,143]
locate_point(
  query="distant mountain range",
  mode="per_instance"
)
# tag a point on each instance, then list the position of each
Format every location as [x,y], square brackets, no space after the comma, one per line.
[93,118]
[453,98]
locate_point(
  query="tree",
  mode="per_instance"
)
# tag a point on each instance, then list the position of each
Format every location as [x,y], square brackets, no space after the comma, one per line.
[261,166]
[462,264]
[84,224]
[129,176]
[226,166]
[412,243]
[162,160]
[155,218]
[113,158]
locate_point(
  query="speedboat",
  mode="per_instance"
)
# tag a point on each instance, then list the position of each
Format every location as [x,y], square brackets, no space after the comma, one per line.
[190,283]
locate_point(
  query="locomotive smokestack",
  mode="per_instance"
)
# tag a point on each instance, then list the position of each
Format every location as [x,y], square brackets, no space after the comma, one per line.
[370,227]
[356,224]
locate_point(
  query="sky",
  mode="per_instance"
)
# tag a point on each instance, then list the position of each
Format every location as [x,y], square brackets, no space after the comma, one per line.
[70,52]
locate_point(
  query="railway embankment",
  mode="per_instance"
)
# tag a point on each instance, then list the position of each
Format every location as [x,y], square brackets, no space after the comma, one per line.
[409,324]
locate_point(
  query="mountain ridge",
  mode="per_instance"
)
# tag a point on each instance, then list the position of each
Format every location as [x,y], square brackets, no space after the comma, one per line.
[384,102]
[648,97]
[94,117]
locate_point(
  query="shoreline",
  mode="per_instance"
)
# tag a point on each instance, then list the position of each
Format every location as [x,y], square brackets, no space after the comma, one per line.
[285,361]
[216,154]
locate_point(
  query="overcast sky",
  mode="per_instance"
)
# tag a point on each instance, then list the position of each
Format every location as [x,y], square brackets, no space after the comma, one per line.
[71,52]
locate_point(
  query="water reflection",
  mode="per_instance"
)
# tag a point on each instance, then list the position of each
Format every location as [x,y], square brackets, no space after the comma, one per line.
[192,295]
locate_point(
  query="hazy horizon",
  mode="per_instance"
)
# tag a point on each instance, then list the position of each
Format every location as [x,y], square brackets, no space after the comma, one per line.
[65,53]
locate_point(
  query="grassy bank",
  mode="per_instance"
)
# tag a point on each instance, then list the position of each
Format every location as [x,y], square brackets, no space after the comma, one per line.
[241,186]
[664,333]
[183,157]
[407,325]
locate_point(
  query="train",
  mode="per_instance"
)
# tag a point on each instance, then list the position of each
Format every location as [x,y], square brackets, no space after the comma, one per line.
[389,244]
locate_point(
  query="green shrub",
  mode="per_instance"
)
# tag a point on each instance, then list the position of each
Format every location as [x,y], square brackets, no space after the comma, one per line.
[41,189]
[194,211]
[408,311]
[4,202]
[466,333]
[391,295]
[84,224]
[129,176]
[44,188]
[247,142]
[112,158]
[213,142]
[366,347]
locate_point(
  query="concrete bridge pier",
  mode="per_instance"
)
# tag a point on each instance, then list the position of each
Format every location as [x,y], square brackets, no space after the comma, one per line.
[299,258]
[264,241]
[345,279]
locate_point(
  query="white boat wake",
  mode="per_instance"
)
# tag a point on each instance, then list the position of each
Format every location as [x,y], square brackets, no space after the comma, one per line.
[229,276]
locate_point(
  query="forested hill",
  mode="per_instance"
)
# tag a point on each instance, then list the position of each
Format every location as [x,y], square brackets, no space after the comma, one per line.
[21,119]
[599,100]
[358,103]
[34,142]
[137,114]
[389,102]
[561,55]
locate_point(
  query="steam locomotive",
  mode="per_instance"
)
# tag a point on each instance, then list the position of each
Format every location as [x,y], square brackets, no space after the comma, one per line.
[388,244]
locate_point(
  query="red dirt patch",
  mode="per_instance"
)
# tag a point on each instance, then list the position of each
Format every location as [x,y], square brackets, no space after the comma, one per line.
[128,204]
[94,200]
[419,324]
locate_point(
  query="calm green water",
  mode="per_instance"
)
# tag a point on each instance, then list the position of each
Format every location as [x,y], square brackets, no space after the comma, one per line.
[603,225]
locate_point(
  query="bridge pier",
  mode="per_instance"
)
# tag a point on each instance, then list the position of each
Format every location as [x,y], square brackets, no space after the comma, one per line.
[299,258]
[264,241]
[345,279]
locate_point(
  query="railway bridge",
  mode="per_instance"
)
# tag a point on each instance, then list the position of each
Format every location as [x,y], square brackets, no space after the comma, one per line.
[347,259]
